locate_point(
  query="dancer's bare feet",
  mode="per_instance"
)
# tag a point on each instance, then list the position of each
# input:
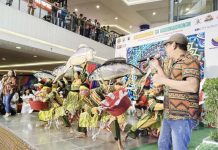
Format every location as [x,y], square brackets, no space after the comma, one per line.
[81,135]
[120,146]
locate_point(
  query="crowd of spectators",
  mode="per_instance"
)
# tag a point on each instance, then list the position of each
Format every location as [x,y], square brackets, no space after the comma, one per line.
[61,16]
[81,25]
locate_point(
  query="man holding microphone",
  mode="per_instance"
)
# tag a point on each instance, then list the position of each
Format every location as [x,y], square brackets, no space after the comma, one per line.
[181,78]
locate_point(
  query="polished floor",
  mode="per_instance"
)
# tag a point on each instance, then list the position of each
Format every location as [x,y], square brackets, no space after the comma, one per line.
[28,128]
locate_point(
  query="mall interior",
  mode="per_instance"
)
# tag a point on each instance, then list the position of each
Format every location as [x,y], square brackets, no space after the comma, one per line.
[108,74]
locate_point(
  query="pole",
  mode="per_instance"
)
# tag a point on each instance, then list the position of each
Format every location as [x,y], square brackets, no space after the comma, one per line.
[171,10]
[19,5]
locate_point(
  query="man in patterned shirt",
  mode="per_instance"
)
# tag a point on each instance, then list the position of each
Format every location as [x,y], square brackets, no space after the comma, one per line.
[181,77]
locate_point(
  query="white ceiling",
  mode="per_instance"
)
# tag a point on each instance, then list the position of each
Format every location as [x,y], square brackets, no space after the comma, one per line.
[10,55]
[134,15]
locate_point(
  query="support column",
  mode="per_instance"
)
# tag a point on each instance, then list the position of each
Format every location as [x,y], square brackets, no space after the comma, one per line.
[215,5]
[171,15]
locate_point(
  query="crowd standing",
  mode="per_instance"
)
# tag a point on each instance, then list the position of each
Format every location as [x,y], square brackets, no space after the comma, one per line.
[77,23]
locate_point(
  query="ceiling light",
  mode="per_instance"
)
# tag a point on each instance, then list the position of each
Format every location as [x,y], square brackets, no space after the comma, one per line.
[135,2]
[33,64]
[154,13]
[187,9]
[27,71]
[35,56]
[116,18]
[4,59]
[76,10]
[97,6]
[130,27]
[18,47]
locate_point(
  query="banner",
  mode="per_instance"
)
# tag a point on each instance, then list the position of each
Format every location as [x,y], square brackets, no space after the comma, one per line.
[201,32]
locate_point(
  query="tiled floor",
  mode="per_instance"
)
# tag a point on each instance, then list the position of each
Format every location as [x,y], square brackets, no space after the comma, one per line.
[26,127]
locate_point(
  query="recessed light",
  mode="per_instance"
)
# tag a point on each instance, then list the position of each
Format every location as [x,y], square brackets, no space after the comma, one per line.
[75,9]
[4,59]
[154,13]
[130,26]
[187,9]
[116,18]
[97,6]
[35,56]
[18,47]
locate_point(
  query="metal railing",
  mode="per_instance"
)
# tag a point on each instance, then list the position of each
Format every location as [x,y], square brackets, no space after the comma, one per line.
[43,9]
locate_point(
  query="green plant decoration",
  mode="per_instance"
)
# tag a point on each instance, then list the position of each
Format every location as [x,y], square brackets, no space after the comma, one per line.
[210,88]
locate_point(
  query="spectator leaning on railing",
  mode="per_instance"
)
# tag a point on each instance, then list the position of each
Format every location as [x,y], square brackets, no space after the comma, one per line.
[31,7]
[62,13]
[87,28]
[80,24]
[9,2]
[54,12]
[68,21]
[47,17]
[98,30]
[74,22]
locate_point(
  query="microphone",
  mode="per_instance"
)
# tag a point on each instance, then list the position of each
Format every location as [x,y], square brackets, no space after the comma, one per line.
[157,56]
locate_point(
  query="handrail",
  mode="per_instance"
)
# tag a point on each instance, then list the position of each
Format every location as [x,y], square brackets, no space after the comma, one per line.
[43,10]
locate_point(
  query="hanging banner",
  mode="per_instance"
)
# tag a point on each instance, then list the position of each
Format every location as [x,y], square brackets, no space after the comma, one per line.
[201,32]
[42,4]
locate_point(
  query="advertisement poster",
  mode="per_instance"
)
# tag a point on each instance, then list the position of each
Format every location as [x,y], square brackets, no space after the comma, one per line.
[203,42]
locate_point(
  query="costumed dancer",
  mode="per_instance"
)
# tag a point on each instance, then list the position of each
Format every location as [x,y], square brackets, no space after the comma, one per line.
[72,104]
[90,116]
[85,115]
[116,104]
[55,110]
[151,120]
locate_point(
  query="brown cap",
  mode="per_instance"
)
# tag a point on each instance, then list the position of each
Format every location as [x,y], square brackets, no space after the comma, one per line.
[178,38]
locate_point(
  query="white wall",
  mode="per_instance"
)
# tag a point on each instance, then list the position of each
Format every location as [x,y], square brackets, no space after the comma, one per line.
[19,27]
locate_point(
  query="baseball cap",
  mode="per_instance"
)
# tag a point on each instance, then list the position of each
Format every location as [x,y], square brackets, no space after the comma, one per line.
[178,38]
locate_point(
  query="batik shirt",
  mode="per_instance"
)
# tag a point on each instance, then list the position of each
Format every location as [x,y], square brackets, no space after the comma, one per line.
[178,104]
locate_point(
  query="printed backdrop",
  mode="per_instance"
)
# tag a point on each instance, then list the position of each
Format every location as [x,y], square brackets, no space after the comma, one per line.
[200,31]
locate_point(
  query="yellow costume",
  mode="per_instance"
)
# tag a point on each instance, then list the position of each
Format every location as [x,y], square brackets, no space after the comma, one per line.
[55,107]
[73,102]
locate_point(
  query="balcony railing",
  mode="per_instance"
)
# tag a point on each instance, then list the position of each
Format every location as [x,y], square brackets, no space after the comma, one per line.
[43,9]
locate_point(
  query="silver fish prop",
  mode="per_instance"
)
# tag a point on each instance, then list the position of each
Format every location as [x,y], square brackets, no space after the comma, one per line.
[44,75]
[69,73]
[114,70]
[83,54]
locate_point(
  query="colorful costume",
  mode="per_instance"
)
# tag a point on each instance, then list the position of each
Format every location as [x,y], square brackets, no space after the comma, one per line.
[55,107]
[152,119]
[90,115]
[73,102]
